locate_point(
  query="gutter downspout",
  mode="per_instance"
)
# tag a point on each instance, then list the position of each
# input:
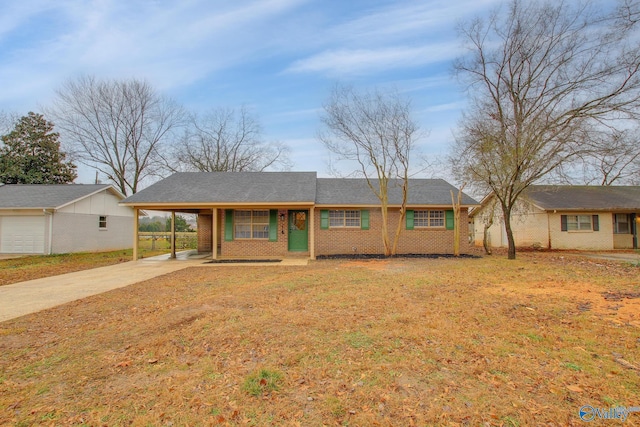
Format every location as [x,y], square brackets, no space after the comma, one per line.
[50,239]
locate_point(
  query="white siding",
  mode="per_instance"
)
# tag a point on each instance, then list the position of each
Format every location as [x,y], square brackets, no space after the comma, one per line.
[81,233]
[102,203]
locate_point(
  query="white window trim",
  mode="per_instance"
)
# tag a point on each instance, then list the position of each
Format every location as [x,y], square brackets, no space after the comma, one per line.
[100,227]
[344,218]
[251,224]
[577,223]
[429,218]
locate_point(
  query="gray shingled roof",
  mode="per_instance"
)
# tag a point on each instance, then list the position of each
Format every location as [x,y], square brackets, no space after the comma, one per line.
[584,197]
[36,196]
[355,191]
[230,187]
[285,187]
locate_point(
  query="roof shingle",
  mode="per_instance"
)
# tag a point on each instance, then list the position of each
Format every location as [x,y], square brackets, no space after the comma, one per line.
[584,197]
[43,196]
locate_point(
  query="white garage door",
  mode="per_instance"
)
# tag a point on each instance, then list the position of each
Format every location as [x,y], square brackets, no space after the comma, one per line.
[22,234]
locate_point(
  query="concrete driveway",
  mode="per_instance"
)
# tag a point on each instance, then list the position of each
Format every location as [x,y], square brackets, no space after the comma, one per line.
[31,296]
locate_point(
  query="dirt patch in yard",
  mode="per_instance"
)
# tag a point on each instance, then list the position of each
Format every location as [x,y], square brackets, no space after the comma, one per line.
[364,342]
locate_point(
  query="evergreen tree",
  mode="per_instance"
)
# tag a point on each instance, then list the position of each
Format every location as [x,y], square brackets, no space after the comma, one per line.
[31,154]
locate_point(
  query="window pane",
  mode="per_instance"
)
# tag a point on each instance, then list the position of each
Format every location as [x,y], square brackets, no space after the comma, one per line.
[243,231]
[584,222]
[579,222]
[261,217]
[622,224]
[242,217]
[336,218]
[251,224]
[436,218]
[352,218]
[420,218]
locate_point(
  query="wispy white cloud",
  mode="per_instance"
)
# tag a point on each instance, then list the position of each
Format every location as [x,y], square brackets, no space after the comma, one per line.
[170,43]
[357,61]
[401,35]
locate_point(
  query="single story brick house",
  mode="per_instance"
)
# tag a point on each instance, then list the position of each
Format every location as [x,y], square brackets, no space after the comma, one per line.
[566,217]
[284,214]
[63,218]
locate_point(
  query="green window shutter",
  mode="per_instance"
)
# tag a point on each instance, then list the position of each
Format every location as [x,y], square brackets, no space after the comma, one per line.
[449,220]
[563,223]
[596,223]
[324,219]
[228,225]
[273,225]
[409,220]
[364,220]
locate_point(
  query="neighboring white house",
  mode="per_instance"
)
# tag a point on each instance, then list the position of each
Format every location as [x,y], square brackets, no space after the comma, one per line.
[50,219]
[565,217]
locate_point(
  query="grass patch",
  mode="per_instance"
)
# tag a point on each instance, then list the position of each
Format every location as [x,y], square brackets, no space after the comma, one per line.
[487,342]
[262,382]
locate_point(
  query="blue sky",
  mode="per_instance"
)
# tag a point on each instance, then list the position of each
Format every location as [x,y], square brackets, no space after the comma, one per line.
[278,57]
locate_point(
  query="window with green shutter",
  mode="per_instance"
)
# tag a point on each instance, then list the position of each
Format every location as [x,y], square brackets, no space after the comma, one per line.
[228,225]
[364,220]
[324,219]
[273,225]
[409,220]
[449,220]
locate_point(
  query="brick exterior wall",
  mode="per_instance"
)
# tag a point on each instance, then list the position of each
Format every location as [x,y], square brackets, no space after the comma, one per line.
[205,222]
[258,248]
[337,241]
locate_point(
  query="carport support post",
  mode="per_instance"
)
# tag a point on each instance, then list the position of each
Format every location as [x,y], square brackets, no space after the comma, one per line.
[214,233]
[312,232]
[173,234]
[136,212]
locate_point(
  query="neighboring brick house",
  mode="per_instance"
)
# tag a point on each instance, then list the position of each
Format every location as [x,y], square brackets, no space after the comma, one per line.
[284,214]
[62,218]
[566,217]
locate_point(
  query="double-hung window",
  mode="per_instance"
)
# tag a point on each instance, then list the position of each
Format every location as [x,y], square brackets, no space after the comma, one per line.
[579,223]
[344,218]
[428,218]
[251,224]
[102,223]
[621,224]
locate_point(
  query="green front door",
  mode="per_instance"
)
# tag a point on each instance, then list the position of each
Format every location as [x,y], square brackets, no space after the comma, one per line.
[298,231]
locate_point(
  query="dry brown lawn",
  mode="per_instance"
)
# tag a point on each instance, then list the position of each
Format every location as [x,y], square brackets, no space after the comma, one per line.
[392,342]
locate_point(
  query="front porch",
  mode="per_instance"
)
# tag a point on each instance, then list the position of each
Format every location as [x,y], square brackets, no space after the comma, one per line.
[247,232]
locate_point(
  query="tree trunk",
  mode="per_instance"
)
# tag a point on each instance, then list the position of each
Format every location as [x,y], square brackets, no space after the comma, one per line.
[511,252]
[403,213]
[385,229]
[485,237]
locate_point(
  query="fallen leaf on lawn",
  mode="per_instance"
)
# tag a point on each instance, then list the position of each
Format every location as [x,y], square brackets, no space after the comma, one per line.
[575,388]
[124,364]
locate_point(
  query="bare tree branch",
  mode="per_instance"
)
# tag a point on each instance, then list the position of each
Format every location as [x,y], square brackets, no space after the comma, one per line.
[376,131]
[225,140]
[119,127]
[540,77]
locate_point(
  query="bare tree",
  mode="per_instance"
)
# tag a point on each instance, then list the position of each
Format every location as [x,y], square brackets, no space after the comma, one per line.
[613,158]
[227,141]
[7,122]
[539,76]
[119,127]
[375,130]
